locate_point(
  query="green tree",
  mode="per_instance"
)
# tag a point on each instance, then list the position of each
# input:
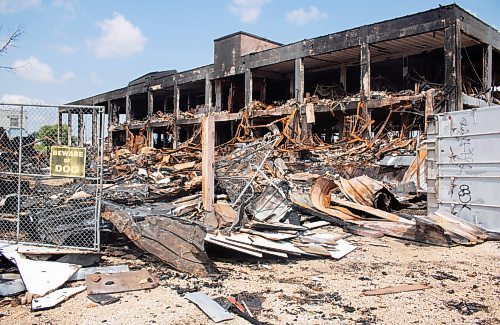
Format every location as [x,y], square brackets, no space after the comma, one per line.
[47,136]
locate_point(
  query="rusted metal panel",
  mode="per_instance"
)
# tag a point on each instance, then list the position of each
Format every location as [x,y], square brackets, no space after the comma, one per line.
[120,282]
[177,242]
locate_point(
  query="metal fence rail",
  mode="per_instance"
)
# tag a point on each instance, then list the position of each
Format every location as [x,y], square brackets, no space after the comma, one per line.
[44,201]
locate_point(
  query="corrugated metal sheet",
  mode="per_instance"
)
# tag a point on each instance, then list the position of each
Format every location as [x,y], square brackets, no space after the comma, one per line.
[464,165]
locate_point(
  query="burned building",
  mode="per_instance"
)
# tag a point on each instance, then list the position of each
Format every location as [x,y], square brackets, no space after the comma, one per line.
[444,59]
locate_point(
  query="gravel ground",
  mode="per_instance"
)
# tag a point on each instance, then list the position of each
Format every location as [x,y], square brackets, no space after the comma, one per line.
[465,281]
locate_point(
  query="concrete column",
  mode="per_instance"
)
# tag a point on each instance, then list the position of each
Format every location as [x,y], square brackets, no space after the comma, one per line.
[128,108]
[299,80]
[453,65]
[263,90]
[81,129]
[218,95]
[59,126]
[150,103]
[208,93]
[248,87]
[207,163]
[429,106]
[487,70]
[70,122]
[177,94]
[343,76]
[365,85]
[95,140]
[365,70]
[149,130]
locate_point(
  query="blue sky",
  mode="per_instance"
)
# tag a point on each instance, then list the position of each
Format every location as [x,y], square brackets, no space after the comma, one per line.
[73,49]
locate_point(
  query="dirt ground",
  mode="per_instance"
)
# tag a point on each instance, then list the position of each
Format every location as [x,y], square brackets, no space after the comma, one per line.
[465,281]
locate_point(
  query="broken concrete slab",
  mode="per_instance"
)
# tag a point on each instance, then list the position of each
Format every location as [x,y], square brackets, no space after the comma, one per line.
[55,298]
[41,277]
[12,288]
[209,306]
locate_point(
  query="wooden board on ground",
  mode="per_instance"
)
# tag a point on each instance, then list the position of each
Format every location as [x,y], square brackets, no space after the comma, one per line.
[396,289]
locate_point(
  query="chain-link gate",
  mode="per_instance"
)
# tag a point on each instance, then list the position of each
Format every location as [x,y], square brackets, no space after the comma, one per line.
[51,160]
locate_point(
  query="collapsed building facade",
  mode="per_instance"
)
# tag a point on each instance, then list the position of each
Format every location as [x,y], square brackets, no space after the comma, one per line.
[273,151]
[363,71]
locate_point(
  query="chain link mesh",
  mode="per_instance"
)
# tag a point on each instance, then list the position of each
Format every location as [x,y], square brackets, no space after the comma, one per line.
[38,208]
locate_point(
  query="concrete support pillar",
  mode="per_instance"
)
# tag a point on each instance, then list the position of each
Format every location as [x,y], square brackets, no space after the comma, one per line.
[263,90]
[208,93]
[365,86]
[177,94]
[207,163]
[429,106]
[149,130]
[453,65]
[111,114]
[70,122]
[487,70]
[59,126]
[365,71]
[299,80]
[81,129]
[248,87]
[343,76]
[95,139]
[128,108]
[218,95]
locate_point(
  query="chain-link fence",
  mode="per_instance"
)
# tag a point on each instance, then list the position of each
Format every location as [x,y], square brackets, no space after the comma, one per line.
[51,174]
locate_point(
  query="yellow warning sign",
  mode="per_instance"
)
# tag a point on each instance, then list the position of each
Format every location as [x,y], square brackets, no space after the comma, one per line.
[68,161]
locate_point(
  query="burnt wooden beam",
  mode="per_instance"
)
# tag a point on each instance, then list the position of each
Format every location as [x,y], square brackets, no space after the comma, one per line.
[299,80]
[207,163]
[248,87]
[487,70]
[453,65]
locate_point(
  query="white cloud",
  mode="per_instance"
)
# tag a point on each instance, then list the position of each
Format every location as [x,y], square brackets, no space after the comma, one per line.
[119,38]
[69,6]
[13,6]
[19,99]
[247,10]
[66,76]
[94,77]
[66,49]
[35,70]
[302,16]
